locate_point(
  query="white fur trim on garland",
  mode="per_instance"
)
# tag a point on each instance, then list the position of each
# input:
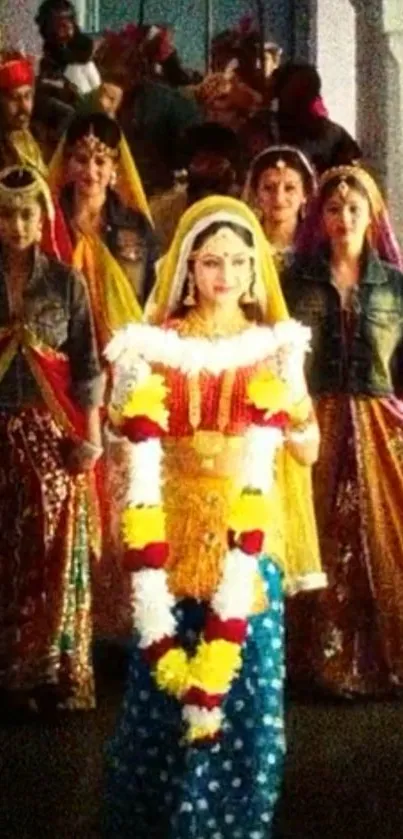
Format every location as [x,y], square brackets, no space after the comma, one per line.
[236,589]
[145,474]
[153,606]
[191,355]
[260,449]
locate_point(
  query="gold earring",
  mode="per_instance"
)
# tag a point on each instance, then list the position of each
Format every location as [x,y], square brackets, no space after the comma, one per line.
[113,179]
[248,297]
[190,299]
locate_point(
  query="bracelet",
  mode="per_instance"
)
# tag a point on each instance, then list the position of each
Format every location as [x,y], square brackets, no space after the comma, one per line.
[88,449]
[301,413]
[302,435]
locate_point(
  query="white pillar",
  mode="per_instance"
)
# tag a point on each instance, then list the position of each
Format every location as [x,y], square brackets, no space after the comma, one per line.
[81,8]
[336,60]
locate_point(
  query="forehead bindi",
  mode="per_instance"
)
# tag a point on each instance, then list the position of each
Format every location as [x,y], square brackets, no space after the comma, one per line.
[222,254]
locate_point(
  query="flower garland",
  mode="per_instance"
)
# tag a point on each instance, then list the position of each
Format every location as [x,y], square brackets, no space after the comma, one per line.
[285,340]
[200,682]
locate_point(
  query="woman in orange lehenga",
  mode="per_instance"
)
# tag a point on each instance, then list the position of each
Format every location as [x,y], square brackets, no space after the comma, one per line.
[50,389]
[349,639]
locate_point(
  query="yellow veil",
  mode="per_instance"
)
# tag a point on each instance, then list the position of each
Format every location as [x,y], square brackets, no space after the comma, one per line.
[172,268]
[113,300]
[128,182]
[295,542]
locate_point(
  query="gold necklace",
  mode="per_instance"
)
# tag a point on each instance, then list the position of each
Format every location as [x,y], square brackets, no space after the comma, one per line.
[200,325]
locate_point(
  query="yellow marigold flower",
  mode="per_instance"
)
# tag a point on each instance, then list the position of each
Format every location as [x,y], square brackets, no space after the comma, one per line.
[269,393]
[147,400]
[199,732]
[171,672]
[142,525]
[250,511]
[214,666]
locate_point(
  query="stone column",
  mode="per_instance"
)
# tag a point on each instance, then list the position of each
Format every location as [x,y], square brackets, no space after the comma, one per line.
[357,46]
[380,96]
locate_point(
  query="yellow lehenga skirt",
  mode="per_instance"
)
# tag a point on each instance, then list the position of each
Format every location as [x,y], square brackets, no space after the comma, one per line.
[349,637]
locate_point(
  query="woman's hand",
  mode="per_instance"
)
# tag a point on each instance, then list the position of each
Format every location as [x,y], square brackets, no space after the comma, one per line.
[303,442]
[81,458]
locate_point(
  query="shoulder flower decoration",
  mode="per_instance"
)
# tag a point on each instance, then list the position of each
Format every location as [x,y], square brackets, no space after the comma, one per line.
[270,398]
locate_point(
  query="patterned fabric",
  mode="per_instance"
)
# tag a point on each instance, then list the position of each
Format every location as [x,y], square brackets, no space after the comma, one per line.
[112,600]
[157,787]
[56,310]
[45,622]
[349,638]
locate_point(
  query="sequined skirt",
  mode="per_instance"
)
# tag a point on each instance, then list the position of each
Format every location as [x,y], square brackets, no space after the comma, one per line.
[45,619]
[112,585]
[349,637]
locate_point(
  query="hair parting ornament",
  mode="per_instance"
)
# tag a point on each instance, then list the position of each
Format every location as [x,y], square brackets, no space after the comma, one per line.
[343,189]
[16,196]
[216,244]
[91,144]
[341,174]
[381,232]
[278,157]
[281,163]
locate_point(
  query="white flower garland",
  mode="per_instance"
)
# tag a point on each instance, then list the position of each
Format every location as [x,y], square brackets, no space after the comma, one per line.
[287,340]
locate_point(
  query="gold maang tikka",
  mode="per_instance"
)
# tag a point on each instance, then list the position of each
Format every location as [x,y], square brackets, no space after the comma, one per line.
[343,189]
[91,144]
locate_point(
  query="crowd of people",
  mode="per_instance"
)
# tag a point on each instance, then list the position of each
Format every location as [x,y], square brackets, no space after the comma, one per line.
[201,425]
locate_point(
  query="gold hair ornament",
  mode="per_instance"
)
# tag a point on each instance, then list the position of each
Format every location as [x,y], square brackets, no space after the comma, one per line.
[16,197]
[363,177]
[343,188]
[92,145]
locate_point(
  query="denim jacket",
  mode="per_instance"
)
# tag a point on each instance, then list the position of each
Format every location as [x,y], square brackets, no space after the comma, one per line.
[369,360]
[56,309]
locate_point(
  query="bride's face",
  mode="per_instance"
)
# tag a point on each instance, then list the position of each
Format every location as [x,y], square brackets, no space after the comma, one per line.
[223,268]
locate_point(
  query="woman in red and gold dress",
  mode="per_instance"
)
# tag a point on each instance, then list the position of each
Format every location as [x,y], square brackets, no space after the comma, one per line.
[50,391]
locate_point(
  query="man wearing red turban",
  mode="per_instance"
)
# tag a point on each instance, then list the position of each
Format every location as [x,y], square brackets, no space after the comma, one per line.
[17,83]
[17,143]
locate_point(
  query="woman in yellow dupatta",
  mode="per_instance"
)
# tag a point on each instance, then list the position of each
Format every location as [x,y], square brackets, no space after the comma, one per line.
[99,190]
[103,202]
